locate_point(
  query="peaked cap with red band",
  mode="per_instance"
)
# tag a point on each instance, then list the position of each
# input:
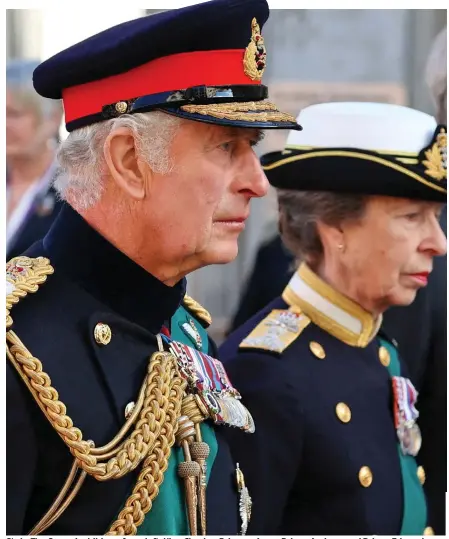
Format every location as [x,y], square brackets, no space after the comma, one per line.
[203,62]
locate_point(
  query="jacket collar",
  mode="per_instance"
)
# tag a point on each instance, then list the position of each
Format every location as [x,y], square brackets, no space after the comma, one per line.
[80,252]
[329,309]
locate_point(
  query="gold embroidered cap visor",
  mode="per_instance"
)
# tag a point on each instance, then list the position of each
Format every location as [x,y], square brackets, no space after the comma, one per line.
[252,114]
[350,170]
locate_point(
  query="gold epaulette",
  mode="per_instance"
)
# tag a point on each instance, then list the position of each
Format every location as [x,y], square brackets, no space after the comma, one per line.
[198,310]
[277,330]
[24,275]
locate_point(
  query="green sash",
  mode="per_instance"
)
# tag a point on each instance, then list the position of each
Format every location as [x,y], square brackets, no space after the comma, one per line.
[168,516]
[414,519]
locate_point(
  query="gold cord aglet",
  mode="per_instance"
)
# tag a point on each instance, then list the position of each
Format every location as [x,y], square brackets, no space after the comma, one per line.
[188,470]
[200,451]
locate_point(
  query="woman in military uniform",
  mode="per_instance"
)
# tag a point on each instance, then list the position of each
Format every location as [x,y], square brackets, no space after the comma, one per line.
[336,416]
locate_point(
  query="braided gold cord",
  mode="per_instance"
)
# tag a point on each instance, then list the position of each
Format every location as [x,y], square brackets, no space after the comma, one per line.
[135,448]
[151,476]
[35,272]
[155,416]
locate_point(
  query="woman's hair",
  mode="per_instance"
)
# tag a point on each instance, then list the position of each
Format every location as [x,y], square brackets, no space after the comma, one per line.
[81,159]
[299,212]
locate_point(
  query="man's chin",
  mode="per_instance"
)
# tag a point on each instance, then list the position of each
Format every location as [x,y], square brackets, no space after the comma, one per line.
[222,253]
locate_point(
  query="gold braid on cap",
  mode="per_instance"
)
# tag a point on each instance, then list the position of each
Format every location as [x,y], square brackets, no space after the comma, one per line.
[436,157]
[155,416]
[251,111]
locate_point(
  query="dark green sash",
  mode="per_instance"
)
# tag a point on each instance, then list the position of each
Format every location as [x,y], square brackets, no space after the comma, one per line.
[414,519]
[168,516]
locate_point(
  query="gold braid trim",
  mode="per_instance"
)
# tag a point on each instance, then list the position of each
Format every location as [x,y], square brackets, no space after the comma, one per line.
[23,276]
[156,412]
[142,440]
[152,474]
[164,389]
[197,309]
[251,111]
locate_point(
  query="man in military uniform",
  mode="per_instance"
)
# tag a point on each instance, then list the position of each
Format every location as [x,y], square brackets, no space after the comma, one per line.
[337,437]
[116,405]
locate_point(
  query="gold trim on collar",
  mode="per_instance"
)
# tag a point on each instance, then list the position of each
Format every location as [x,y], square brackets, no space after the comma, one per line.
[369,326]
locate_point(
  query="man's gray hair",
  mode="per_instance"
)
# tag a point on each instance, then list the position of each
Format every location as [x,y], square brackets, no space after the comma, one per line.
[436,74]
[19,79]
[299,212]
[81,160]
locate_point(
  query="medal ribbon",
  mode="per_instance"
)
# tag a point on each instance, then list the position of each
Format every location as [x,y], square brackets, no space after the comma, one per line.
[405,396]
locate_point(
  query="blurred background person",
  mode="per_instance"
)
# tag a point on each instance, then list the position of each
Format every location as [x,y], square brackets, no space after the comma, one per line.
[436,75]
[32,126]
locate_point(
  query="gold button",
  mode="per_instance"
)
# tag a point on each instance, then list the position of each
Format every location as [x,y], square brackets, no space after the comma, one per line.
[343,412]
[317,350]
[428,531]
[421,475]
[384,356]
[365,476]
[121,107]
[102,334]
[129,409]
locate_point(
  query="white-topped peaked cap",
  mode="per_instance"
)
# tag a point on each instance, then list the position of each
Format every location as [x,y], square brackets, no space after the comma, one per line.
[371,126]
[364,148]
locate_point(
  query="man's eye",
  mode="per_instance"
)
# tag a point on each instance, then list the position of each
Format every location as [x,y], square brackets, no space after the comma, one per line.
[226,146]
[413,216]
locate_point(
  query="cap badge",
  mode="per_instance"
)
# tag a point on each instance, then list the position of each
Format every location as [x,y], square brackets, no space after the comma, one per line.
[436,157]
[255,58]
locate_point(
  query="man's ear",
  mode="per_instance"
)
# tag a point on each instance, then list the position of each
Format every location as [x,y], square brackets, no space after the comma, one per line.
[126,169]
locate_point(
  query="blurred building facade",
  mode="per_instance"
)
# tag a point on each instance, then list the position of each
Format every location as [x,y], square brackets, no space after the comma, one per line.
[313,56]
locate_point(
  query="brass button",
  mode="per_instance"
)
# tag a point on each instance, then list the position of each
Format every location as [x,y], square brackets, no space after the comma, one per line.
[343,412]
[384,356]
[121,107]
[317,350]
[102,334]
[421,475]
[129,409]
[428,531]
[365,476]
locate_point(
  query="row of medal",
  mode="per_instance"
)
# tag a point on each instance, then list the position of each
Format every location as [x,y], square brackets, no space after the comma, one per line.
[405,415]
[207,378]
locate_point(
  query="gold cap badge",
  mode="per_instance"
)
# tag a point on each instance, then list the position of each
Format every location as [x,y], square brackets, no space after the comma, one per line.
[436,157]
[255,59]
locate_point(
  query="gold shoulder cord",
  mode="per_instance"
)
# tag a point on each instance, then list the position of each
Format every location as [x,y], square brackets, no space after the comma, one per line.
[197,309]
[155,417]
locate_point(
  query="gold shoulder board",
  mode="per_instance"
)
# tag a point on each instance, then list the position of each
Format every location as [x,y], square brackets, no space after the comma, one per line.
[24,276]
[198,310]
[277,331]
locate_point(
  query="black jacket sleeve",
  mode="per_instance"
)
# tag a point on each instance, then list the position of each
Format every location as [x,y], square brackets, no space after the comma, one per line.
[21,453]
[270,457]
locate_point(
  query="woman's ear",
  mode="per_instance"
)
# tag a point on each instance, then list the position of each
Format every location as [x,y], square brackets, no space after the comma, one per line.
[331,237]
[124,165]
